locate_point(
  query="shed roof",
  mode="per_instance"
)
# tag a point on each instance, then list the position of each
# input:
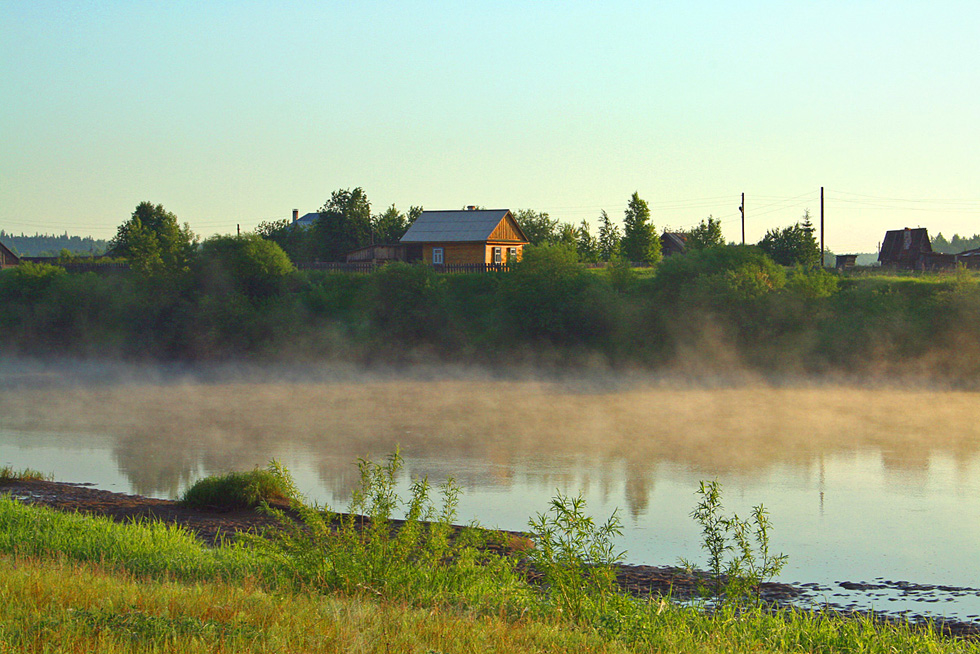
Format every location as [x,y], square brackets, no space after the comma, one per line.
[462,225]
[7,256]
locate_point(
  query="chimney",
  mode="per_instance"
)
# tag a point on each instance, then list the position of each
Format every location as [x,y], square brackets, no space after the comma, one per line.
[295,215]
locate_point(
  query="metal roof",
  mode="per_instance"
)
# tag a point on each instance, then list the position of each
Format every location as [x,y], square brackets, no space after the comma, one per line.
[307,220]
[462,225]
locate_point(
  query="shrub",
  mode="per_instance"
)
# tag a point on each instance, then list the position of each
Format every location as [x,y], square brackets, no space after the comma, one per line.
[248,264]
[407,301]
[736,565]
[238,490]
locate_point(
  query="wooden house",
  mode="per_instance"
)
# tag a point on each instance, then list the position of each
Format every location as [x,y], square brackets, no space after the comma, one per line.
[904,248]
[7,258]
[672,243]
[469,236]
[844,261]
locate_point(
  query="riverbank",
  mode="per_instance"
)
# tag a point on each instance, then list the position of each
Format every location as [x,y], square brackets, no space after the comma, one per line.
[215,526]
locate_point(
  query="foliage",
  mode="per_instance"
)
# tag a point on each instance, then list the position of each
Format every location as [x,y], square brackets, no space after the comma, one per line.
[609,238]
[792,245]
[538,226]
[248,264]
[424,558]
[50,245]
[737,566]
[29,281]
[407,301]
[153,242]
[718,278]
[640,239]
[237,490]
[549,296]
[576,557]
[813,283]
[344,225]
[391,225]
[954,245]
[587,245]
[706,235]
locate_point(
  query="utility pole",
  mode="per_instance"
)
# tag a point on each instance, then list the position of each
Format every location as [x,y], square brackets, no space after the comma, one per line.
[822,250]
[741,208]
[239,227]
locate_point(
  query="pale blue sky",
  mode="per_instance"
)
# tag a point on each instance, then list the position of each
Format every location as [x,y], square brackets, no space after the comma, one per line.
[238,112]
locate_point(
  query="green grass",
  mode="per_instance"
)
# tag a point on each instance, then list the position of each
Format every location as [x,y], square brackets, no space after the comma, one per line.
[236,490]
[331,583]
[7,473]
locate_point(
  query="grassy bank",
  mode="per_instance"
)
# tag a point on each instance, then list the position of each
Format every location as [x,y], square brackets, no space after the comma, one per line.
[73,583]
[720,308]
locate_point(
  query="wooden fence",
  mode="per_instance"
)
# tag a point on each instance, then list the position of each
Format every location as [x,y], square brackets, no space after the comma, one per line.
[367,266]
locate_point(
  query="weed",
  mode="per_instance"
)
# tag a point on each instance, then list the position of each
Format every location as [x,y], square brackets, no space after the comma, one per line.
[575,556]
[365,551]
[242,490]
[737,566]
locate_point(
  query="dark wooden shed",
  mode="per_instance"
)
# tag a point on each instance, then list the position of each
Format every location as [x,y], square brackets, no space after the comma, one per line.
[844,261]
[672,243]
[903,248]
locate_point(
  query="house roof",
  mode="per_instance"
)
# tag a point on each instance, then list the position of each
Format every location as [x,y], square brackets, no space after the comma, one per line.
[458,226]
[307,220]
[903,244]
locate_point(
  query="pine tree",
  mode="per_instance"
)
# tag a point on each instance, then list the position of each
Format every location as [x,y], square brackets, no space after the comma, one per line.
[640,239]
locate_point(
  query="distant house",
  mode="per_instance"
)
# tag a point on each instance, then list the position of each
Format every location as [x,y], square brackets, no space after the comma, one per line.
[905,248]
[306,220]
[672,243]
[844,261]
[7,258]
[468,236]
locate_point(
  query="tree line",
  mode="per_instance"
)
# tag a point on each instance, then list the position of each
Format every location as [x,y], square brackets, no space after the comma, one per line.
[52,245]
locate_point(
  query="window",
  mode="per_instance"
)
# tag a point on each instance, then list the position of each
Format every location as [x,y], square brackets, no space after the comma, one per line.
[437,256]
[497,255]
[512,255]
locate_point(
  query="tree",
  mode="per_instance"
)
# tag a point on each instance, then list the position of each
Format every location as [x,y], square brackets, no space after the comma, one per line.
[539,227]
[640,239]
[706,235]
[792,245]
[154,242]
[391,225]
[344,224]
[587,245]
[609,238]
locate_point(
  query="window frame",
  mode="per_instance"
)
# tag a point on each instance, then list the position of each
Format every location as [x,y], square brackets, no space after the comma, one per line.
[438,256]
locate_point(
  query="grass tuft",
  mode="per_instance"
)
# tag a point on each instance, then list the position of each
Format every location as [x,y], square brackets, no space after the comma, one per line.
[7,473]
[238,490]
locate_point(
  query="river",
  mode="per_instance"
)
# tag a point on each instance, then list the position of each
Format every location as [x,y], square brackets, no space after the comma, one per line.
[863,483]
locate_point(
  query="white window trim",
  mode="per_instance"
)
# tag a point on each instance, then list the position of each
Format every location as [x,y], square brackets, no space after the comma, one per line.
[498,255]
[438,256]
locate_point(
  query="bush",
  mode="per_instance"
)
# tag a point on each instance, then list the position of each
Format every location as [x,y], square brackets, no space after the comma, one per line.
[247,264]
[407,301]
[550,296]
[238,490]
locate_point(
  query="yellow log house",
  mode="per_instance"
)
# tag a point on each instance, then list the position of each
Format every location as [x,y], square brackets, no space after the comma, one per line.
[468,236]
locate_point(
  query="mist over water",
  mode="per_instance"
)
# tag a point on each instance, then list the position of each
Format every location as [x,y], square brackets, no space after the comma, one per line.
[861,480]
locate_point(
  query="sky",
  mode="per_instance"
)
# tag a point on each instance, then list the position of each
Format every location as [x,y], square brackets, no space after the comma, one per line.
[234,113]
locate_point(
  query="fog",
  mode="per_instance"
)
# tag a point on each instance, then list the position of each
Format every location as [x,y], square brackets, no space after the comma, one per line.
[168,423]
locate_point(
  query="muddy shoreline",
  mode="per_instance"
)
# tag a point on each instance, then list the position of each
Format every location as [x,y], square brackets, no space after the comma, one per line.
[211,526]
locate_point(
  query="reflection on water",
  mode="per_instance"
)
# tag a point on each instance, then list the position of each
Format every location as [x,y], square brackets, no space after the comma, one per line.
[860,481]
